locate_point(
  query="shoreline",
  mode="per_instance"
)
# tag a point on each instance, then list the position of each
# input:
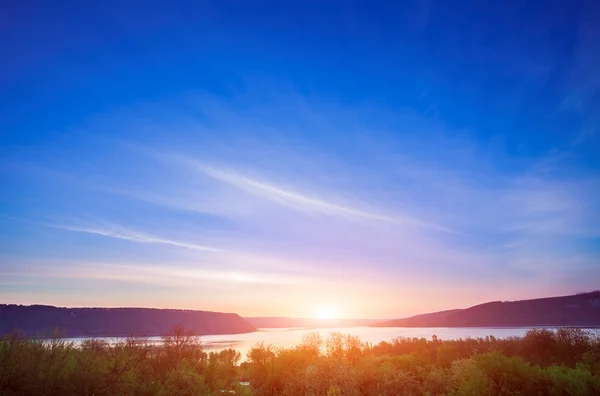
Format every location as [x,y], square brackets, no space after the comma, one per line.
[317,329]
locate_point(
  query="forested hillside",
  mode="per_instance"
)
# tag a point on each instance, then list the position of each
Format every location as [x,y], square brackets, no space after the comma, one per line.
[76,322]
[581,310]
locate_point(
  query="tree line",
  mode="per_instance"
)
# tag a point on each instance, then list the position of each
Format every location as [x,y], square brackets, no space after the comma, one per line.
[543,362]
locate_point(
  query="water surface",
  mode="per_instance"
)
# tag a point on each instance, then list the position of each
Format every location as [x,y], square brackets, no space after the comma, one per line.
[288,337]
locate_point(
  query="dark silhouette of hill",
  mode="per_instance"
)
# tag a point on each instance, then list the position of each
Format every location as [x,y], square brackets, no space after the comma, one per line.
[580,310]
[86,322]
[282,322]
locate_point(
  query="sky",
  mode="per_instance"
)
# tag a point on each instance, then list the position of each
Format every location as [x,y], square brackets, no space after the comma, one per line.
[367,159]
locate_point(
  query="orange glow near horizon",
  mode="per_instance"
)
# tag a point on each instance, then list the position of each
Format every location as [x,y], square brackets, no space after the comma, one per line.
[318,301]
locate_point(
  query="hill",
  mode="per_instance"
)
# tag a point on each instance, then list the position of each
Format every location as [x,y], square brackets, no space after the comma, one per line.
[87,322]
[282,322]
[580,310]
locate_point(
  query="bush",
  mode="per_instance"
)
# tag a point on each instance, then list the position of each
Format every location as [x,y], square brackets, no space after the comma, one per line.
[185,381]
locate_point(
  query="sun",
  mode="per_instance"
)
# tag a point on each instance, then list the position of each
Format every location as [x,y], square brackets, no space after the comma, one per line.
[325,313]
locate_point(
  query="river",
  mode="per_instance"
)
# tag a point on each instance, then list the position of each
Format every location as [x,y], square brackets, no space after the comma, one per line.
[287,337]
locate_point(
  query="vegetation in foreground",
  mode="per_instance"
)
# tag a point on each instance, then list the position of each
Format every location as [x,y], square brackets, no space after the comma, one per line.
[544,362]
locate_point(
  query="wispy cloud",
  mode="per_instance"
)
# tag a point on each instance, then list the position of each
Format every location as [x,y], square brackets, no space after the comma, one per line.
[134,237]
[178,274]
[300,201]
[175,276]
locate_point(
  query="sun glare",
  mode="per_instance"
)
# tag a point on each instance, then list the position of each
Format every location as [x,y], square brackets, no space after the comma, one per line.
[325,313]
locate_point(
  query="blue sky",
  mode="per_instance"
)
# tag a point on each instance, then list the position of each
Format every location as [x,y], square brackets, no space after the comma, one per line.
[279,158]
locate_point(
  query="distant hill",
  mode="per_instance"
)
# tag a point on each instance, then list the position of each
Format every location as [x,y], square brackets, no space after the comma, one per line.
[281,322]
[580,310]
[80,322]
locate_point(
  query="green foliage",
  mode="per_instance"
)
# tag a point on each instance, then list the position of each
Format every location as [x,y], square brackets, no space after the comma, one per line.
[184,381]
[544,362]
[575,382]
